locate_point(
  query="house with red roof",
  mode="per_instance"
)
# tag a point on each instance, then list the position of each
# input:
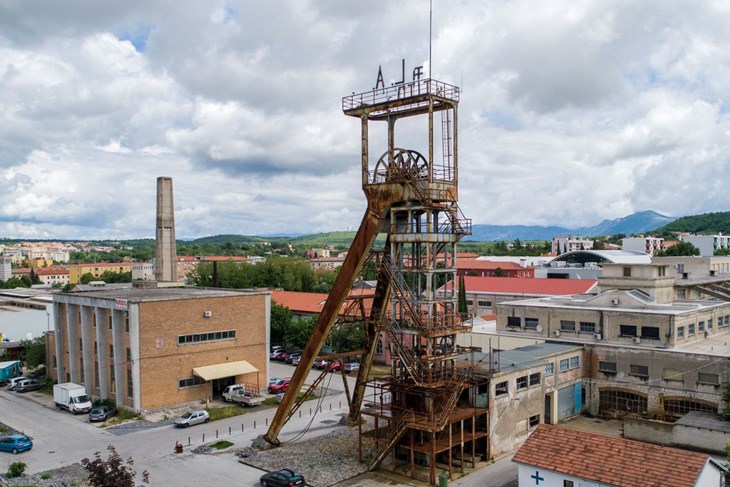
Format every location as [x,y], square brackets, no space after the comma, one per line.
[484,293]
[488,268]
[555,456]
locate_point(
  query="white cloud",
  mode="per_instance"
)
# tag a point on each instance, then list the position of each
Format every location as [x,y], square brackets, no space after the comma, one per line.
[572,112]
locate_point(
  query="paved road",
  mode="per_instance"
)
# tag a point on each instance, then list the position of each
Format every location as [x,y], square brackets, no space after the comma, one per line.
[61,438]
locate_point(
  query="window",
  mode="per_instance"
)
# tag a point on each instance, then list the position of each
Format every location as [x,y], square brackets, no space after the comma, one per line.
[691,329]
[607,367]
[639,371]
[575,362]
[568,483]
[206,337]
[500,389]
[111,352]
[711,379]
[727,320]
[549,369]
[190,382]
[701,326]
[628,331]
[129,356]
[379,348]
[535,379]
[709,324]
[673,375]
[627,271]
[650,332]
[96,374]
[484,304]
[587,327]
[567,325]
[531,323]
[522,382]
[126,324]
[534,420]
[514,321]
[111,376]
[564,365]
[130,386]
[110,322]
[680,332]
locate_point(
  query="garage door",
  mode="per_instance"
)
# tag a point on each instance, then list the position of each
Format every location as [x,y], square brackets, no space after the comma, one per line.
[570,401]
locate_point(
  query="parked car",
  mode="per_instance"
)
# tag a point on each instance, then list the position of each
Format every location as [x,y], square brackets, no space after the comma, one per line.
[321,363]
[290,357]
[273,379]
[296,360]
[277,355]
[192,417]
[280,385]
[274,348]
[334,366]
[282,478]
[101,413]
[27,385]
[14,382]
[16,443]
[352,367]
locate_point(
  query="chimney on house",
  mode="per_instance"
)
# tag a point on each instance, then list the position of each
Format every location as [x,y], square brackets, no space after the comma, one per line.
[165,250]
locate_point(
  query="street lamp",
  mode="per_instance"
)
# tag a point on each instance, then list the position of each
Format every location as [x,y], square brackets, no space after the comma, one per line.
[48,319]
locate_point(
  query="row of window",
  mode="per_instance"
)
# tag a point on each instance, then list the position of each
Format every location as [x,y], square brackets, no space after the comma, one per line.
[206,337]
[647,332]
[642,371]
[502,388]
[583,326]
[93,321]
[703,326]
[480,303]
[190,382]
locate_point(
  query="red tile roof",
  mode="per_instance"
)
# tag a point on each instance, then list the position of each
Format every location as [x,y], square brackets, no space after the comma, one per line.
[300,302]
[104,264]
[52,271]
[533,287]
[488,265]
[610,460]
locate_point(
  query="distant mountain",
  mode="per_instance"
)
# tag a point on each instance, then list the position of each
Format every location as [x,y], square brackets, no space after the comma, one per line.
[706,223]
[639,222]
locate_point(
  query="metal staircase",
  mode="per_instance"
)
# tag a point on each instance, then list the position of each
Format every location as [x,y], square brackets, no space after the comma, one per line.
[397,430]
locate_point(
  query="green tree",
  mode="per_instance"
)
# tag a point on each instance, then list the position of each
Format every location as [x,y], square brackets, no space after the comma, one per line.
[14,282]
[679,249]
[34,279]
[463,308]
[115,277]
[34,352]
[499,272]
[299,332]
[281,318]
[86,278]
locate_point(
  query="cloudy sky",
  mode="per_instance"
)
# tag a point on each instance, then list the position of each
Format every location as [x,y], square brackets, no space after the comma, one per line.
[571,111]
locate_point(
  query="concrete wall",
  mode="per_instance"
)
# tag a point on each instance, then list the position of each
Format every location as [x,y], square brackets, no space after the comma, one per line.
[676,435]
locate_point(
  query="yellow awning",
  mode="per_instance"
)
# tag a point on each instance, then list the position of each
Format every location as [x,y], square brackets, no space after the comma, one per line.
[228,369]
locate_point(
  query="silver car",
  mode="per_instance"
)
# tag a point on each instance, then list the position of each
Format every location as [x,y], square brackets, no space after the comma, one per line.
[12,383]
[192,417]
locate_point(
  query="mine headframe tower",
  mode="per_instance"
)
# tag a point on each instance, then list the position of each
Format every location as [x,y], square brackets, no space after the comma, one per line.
[429,404]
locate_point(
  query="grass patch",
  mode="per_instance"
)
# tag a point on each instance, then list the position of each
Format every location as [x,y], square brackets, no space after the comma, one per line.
[219,445]
[47,387]
[122,416]
[225,412]
[378,371]
[46,475]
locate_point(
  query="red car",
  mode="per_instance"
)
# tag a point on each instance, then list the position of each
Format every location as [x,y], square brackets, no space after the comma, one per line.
[280,385]
[334,366]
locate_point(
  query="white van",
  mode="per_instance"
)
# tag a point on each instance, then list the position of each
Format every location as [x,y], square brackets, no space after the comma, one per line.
[232,390]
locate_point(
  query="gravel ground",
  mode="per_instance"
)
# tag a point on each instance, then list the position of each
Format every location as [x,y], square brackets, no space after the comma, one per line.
[72,475]
[323,461]
[141,424]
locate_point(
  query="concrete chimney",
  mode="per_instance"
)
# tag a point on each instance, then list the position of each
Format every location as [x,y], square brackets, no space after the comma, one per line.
[165,252]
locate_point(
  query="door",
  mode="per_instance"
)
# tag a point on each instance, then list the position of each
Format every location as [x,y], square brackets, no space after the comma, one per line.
[548,409]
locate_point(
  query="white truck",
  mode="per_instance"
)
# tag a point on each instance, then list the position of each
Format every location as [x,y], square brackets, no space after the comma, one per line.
[72,397]
[245,395]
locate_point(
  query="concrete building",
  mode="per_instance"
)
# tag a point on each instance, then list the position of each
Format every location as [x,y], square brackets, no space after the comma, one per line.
[154,348]
[6,267]
[588,264]
[649,245]
[698,277]
[165,245]
[53,275]
[143,271]
[554,456]
[483,294]
[562,245]
[708,244]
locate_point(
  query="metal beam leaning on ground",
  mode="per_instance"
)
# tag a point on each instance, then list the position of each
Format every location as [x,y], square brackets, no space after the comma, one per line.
[352,265]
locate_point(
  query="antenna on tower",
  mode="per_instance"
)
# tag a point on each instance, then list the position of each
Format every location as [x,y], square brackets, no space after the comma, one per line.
[430,34]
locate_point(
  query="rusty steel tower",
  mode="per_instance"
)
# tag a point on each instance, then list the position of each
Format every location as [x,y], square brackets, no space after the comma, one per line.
[427,410]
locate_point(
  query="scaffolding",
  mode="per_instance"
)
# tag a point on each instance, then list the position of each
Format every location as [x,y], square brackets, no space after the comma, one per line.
[430,408]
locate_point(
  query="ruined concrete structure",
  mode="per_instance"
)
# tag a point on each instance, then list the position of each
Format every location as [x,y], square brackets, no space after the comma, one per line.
[165,250]
[430,408]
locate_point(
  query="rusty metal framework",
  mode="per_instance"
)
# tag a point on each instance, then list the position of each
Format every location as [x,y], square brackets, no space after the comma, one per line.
[430,409]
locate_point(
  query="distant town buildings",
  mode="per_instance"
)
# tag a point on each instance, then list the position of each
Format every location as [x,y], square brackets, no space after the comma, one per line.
[562,245]
[708,245]
[650,245]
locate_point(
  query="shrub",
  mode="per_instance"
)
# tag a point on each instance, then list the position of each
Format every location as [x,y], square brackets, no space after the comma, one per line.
[219,445]
[16,469]
[113,471]
[46,475]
